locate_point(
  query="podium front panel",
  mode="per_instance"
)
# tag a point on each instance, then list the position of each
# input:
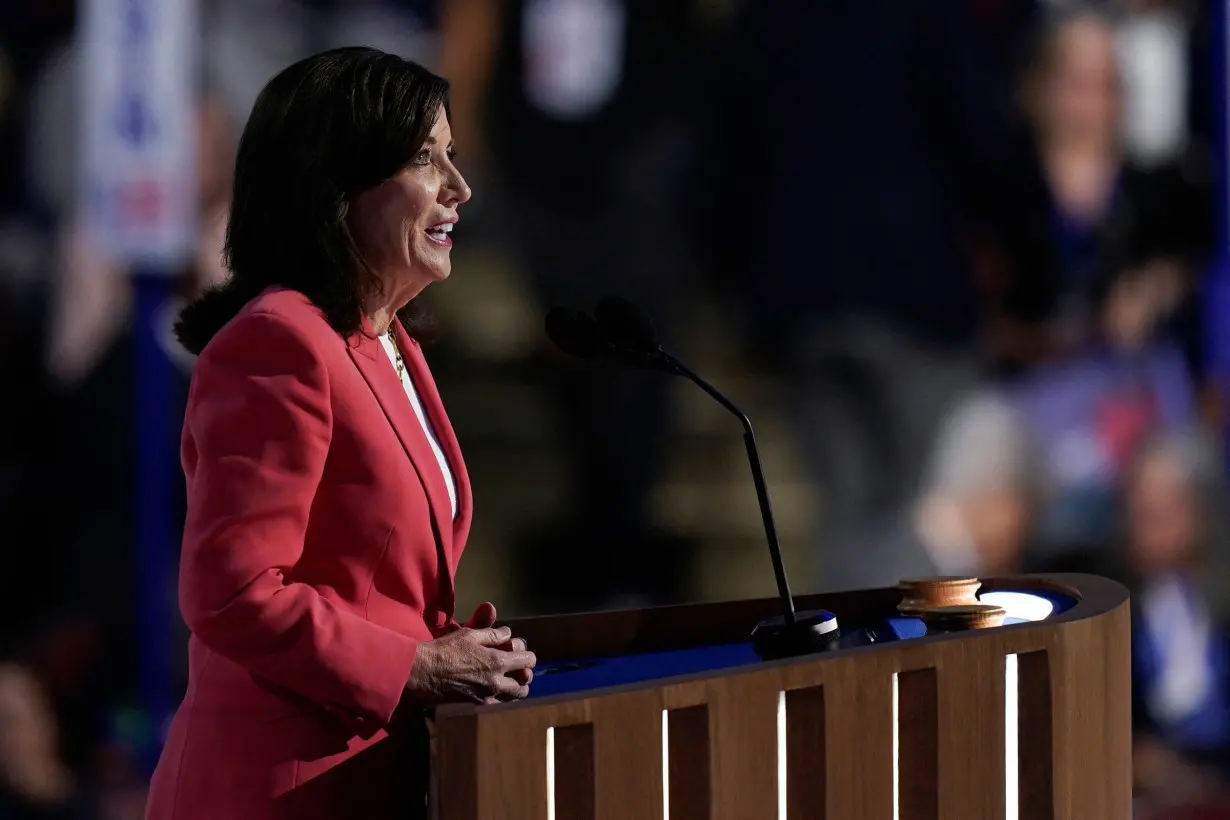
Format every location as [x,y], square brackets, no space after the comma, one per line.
[1031,720]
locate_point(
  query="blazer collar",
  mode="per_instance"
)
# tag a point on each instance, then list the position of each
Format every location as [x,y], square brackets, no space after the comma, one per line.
[365,342]
[373,363]
[433,405]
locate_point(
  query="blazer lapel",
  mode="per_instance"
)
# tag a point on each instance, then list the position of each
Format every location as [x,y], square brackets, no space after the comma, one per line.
[434,407]
[373,363]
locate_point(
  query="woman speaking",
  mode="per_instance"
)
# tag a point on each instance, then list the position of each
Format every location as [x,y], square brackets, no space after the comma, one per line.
[328,502]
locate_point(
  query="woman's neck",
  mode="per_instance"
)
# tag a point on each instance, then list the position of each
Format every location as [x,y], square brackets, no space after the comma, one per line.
[382,319]
[381,308]
[382,311]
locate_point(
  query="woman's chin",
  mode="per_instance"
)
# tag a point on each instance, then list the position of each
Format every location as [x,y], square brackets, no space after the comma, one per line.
[434,265]
[424,274]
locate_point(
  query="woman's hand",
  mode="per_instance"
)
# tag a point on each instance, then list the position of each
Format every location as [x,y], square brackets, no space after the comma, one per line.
[484,617]
[471,666]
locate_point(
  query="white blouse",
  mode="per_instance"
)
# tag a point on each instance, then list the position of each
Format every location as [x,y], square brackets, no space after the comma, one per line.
[406,382]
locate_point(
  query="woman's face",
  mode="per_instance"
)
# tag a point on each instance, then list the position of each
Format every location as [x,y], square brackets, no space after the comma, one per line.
[403,225]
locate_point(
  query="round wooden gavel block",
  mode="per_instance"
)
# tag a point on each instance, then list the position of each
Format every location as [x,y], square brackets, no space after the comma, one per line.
[919,594]
[962,617]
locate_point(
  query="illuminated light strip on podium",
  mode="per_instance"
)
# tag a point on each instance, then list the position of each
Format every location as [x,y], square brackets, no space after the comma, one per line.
[1018,605]
[781,756]
[551,773]
[666,766]
[1012,756]
[1012,760]
[896,751]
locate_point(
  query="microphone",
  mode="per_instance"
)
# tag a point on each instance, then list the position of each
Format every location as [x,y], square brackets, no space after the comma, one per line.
[628,326]
[577,334]
[632,339]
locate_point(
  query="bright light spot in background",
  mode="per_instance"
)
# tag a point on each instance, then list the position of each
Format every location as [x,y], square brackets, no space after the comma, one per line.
[1020,605]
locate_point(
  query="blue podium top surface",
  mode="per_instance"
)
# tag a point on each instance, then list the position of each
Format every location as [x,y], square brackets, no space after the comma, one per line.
[584,674]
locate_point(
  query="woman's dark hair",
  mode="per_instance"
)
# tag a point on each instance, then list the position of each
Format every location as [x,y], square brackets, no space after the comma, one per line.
[323,130]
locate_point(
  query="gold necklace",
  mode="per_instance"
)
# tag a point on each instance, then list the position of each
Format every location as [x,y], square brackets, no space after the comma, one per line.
[398,361]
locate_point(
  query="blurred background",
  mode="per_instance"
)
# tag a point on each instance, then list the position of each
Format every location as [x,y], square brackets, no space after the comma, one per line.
[962,262]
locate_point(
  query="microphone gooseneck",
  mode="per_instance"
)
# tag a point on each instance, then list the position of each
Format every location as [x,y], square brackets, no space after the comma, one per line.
[633,340]
[762,487]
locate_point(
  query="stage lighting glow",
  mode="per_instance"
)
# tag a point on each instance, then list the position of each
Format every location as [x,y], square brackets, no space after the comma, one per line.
[1020,605]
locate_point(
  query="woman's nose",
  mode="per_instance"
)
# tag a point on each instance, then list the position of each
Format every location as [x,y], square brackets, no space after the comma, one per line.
[458,190]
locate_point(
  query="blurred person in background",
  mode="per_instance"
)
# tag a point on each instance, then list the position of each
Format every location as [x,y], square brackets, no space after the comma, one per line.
[1123,245]
[35,783]
[973,513]
[1178,566]
[328,500]
[87,359]
[1090,411]
[853,149]
[28,31]
[71,336]
[582,104]
[1095,204]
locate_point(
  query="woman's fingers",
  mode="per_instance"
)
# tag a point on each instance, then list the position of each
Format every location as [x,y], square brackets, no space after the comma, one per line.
[512,660]
[504,688]
[483,617]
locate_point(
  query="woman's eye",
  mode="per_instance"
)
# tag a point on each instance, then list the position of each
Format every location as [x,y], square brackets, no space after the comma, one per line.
[422,157]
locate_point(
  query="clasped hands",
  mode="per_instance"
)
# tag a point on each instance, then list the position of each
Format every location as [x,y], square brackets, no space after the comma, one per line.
[475,663]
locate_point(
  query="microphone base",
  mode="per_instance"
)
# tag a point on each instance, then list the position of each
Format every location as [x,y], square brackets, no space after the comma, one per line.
[816,631]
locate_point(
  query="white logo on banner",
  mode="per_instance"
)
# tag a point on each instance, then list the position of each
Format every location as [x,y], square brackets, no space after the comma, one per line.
[574,54]
[139,100]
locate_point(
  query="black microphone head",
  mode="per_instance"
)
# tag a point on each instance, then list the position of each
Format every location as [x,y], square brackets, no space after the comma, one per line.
[576,333]
[627,325]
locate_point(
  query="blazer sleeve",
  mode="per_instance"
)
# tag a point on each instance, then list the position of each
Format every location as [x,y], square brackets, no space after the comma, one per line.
[256,436]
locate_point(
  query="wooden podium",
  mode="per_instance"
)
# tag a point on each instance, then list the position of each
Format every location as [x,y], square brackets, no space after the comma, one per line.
[1030,720]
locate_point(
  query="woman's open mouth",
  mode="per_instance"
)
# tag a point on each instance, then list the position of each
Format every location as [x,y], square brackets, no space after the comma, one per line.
[440,234]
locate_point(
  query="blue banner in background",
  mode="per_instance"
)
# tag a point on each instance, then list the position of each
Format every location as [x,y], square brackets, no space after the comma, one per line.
[1216,296]
[138,201]
[139,99]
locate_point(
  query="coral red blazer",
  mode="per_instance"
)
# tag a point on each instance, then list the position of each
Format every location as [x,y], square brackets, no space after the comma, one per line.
[319,548]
